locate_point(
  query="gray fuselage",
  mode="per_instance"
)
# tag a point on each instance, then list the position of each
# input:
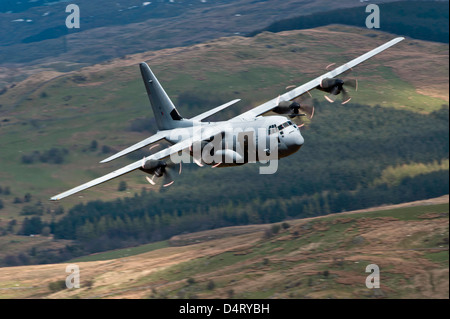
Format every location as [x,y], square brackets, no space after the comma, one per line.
[241,141]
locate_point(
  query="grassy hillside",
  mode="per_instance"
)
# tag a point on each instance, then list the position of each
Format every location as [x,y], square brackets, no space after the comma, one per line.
[323,257]
[396,119]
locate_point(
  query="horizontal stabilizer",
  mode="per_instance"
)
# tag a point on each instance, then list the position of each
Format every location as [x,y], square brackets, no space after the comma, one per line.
[214,111]
[152,139]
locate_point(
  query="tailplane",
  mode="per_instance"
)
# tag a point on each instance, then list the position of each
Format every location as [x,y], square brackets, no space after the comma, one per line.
[166,115]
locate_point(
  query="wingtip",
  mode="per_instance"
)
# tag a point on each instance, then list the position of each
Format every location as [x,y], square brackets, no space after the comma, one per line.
[106,160]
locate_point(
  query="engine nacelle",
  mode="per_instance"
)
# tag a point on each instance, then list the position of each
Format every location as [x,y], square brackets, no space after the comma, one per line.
[283,107]
[333,86]
[154,167]
[287,107]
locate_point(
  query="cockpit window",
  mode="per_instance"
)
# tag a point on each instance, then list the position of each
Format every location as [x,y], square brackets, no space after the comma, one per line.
[284,125]
[273,128]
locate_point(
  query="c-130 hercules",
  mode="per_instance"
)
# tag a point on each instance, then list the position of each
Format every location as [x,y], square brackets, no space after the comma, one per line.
[253,136]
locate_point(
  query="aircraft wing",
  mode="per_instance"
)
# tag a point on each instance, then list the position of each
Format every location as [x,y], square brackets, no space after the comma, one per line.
[199,135]
[289,96]
[117,173]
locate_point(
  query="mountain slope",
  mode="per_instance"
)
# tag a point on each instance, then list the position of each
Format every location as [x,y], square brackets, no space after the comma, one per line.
[323,257]
[113,30]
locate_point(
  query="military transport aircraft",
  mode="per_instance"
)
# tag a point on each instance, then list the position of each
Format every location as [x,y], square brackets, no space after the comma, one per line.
[253,136]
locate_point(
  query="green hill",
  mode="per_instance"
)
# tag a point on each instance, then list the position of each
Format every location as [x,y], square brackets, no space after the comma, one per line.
[56,126]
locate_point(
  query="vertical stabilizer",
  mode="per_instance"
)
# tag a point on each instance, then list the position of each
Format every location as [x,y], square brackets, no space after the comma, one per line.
[166,115]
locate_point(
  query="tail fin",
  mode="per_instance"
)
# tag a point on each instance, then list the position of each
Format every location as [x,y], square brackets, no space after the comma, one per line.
[166,115]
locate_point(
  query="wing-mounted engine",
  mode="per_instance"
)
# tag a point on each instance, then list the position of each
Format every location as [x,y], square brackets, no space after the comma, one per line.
[334,87]
[300,106]
[288,107]
[158,169]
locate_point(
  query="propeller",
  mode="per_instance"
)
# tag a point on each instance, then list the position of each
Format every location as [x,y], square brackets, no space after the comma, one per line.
[158,169]
[306,104]
[153,146]
[335,86]
[296,109]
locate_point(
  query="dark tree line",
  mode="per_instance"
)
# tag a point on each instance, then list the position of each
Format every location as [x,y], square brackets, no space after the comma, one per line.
[425,20]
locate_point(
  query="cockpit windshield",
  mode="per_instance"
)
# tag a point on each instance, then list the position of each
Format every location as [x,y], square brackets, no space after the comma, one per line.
[284,125]
[273,128]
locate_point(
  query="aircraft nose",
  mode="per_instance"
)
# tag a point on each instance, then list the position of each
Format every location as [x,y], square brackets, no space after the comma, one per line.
[294,141]
[298,139]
